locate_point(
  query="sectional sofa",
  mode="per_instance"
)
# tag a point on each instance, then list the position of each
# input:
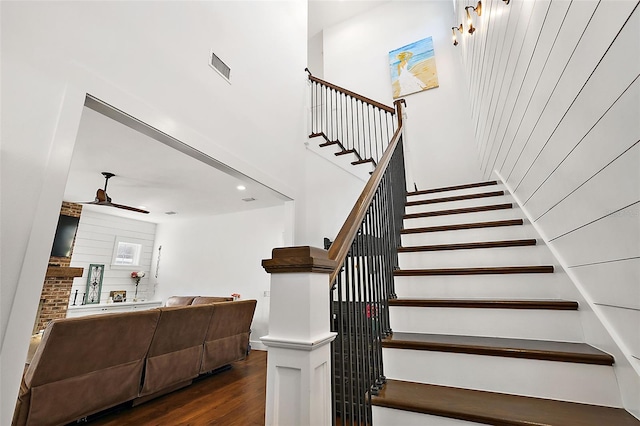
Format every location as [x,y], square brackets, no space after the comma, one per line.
[88,364]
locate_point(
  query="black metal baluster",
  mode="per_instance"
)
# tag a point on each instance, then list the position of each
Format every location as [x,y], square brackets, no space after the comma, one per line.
[335,365]
[345,359]
[360,325]
[371,304]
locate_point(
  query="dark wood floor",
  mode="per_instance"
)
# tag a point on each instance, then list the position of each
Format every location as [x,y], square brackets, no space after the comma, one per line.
[232,397]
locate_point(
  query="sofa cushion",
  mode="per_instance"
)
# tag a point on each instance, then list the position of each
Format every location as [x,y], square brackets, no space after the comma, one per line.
[175,353]
[228,334]
[87,364]
[179,300]
[202,300]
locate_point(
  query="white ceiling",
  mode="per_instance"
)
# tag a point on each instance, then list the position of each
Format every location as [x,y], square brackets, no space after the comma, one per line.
[325,13]
[153,176]
[156,177]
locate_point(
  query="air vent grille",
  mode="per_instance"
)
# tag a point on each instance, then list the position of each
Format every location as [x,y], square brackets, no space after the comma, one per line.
[248,200]
[220,66]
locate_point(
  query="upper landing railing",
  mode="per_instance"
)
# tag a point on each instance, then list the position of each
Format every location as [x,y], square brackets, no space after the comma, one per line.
[356,124]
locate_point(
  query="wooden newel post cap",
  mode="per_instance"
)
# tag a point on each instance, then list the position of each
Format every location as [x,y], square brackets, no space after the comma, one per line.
[299,259]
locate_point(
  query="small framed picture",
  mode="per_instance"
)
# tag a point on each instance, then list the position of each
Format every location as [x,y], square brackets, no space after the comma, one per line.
[118,296]
[94,284]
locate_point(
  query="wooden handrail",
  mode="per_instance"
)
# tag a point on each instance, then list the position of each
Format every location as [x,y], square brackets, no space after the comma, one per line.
[341,245]
[350,93]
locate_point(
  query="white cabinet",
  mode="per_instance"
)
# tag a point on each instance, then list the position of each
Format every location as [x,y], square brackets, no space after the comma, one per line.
[108,308]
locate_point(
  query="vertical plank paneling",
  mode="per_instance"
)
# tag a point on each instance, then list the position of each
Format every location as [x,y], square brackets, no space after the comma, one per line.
[95,240]
[499,91]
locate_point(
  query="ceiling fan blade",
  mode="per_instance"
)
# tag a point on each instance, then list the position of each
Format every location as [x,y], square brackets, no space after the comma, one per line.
[133,209]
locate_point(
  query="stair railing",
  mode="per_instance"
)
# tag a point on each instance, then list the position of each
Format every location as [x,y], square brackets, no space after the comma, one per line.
[366,251]
[356,124]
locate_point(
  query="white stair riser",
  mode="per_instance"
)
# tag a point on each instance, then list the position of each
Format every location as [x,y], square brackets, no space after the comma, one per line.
[520,286]
[590,384]
[474,202]
[514,323]
[470,258]
[478,190]
[485,216]
[469,235]
[383,416]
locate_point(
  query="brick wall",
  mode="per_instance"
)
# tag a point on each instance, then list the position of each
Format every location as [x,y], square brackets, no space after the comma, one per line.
[56,291]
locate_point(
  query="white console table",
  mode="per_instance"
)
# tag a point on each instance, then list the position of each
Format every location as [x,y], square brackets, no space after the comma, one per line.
[106,308]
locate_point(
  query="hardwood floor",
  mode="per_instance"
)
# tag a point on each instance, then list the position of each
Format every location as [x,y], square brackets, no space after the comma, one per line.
[232,397]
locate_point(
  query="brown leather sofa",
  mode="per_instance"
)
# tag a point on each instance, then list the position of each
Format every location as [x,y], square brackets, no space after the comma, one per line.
[195,300]
[88,364]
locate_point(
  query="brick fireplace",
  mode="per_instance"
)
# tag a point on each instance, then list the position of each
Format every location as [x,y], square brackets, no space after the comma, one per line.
[56,289]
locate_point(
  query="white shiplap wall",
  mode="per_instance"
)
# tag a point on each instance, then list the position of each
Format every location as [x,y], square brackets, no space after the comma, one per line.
[95,240]
[555,101]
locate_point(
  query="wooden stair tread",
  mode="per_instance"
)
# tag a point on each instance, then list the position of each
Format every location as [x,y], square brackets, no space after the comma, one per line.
[452,188]
[550,304]
[466,246]
[456,198]
[460,226]
[496,408]
[459,211]
[499,346]
[345,152]
[541,269]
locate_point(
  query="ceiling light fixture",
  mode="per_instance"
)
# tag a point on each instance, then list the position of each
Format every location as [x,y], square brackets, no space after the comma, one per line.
[453,31]
[478,10]
[241,187]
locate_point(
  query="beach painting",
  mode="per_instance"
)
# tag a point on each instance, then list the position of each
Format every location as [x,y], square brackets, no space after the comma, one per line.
[413,68]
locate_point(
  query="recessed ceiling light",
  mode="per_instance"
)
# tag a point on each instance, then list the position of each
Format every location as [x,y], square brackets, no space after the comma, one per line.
[241,187]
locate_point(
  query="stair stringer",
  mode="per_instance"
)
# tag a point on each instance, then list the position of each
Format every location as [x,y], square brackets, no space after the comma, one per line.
[598,331]
[361,171]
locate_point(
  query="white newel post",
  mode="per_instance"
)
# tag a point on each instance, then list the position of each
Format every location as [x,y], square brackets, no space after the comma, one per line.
[299,350]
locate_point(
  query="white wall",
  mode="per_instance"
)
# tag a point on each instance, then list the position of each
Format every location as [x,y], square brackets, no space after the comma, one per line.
[220,255]
[95,239]
[314,56]
[331,193]
[555,96]
[149,59]
[439,135]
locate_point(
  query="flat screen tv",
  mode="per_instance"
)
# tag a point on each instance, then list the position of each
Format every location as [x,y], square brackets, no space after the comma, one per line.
[65,233]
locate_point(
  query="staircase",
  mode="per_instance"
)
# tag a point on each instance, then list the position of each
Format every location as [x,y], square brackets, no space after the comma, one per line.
[485,326]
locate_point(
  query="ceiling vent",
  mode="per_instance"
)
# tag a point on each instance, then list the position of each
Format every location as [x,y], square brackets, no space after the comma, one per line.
[170,213]
[248,199]
[222,68]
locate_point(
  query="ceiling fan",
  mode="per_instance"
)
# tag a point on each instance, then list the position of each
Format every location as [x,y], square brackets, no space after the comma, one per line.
[103,199]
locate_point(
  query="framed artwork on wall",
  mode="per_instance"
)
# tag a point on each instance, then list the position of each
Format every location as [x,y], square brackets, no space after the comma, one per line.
[413,68]
[118,296]
[94,284]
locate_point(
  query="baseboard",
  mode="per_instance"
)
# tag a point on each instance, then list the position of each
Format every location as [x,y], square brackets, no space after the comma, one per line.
[257,345]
